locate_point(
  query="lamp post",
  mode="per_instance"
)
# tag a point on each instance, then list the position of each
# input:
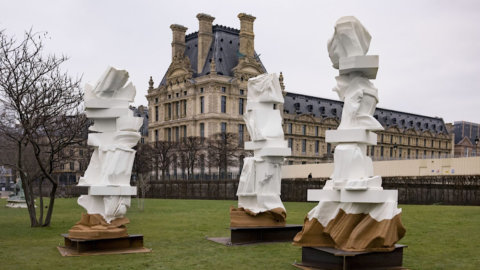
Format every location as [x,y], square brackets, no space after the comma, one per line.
[476,144]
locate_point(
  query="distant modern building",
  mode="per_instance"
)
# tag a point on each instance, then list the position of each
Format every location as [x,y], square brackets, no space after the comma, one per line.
[466,138]
[204,92]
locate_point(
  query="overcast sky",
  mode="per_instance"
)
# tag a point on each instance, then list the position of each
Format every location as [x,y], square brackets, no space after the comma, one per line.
[429,50]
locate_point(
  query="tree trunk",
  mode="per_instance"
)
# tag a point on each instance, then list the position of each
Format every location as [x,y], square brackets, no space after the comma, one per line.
[50,204]
[40,219]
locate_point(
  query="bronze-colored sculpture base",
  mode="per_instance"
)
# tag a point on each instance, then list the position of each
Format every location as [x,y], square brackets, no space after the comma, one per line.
[352,232]
[94,226]
[243,218]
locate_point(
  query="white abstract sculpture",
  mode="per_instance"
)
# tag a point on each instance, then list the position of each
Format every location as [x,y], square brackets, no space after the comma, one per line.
[347,49]
[354,213]
[260,180]
[108,173]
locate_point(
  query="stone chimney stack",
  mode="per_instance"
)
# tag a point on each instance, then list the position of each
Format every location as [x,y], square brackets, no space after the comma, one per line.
[247,47]
[205,37]
[178,41]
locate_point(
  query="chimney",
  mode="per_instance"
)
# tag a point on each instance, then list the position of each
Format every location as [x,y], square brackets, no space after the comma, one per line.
[205,37]
[247,47]
[178,41]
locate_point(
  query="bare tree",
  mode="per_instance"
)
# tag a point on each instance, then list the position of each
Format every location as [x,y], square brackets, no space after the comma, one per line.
[191,148]
[224,151]
[161,152]
[42,105]
[142,170]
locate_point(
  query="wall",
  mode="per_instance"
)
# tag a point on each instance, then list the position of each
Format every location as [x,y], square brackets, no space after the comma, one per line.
[411,167]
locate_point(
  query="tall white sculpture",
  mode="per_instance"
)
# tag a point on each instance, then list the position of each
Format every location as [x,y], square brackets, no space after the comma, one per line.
[354,212]
[114,133]
[259,187]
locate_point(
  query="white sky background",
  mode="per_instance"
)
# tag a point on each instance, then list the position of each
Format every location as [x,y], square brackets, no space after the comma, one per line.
[429,50]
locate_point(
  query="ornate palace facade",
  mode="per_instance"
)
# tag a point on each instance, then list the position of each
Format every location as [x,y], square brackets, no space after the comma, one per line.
[204,92]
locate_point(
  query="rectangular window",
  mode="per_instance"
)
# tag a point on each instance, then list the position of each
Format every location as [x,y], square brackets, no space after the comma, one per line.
[391,151]
[381,151]
[316,131]
[274,106]
[242,92]
[424,142]
[169,134]
[416,153]
[290,142]
[240,106]
[381,140]
[184,132]
[317,147]
[177,134]
[304,130]
[156,135]
[290,128]
[400,140]
[156,113]
[223,104]
[416,141]
[372,150]
[72,166]
[223,127]
[304,146]
[169,109]
[224,89]
[408,140]
[391,138]
[240,134]
[202,130]
[202,102]
[201,90]
[184,108]
[177,109]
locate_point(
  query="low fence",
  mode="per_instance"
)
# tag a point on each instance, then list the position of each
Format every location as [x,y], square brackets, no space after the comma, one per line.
[451,189]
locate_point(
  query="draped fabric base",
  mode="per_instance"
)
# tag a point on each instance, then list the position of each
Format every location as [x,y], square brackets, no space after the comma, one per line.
[240,217]
[352,232]
[94,226]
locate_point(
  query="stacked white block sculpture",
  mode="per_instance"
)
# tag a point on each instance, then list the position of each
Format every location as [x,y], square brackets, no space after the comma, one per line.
[260,180]
[353,198]
[115,133]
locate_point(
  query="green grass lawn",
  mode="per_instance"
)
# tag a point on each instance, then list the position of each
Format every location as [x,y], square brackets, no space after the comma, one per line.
[438,237]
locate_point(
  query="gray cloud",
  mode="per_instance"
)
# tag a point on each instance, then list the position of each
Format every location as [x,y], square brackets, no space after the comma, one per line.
[429,50]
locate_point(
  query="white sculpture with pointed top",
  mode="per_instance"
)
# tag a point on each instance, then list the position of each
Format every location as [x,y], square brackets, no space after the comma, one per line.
[108,173]
[260,181]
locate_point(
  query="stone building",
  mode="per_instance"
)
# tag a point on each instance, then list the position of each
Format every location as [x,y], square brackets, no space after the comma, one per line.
[204,92]
[204,89]
[406,135]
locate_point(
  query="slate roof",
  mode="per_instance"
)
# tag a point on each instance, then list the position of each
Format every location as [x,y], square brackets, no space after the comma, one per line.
[322,107]
[224,49]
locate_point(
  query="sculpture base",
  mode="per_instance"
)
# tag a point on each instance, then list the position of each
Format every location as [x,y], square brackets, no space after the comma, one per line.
[16,204]
[330,258]
[120,245]
[94,226]
[352,232]
[242,218]
[244,236]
